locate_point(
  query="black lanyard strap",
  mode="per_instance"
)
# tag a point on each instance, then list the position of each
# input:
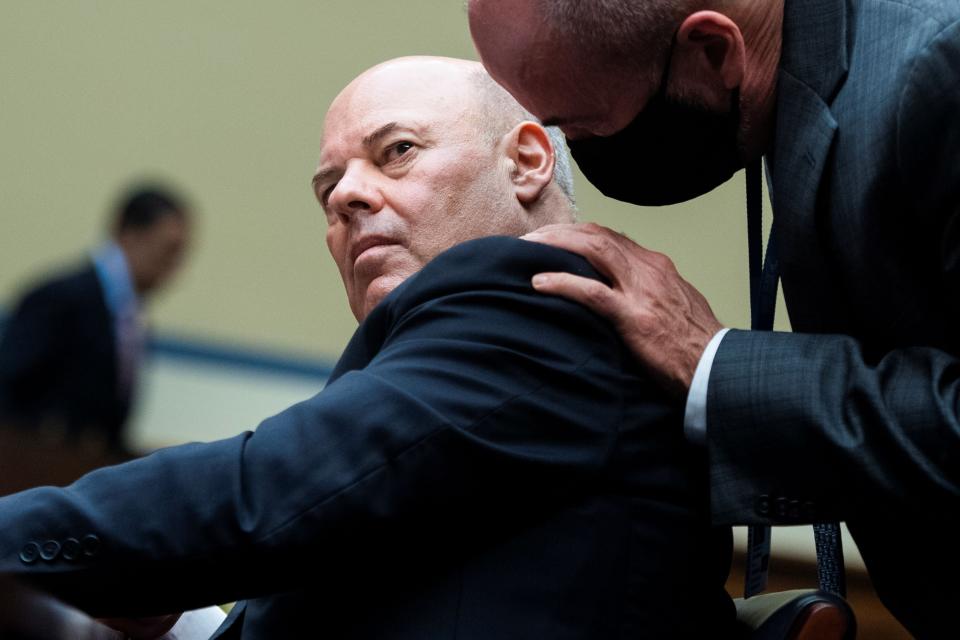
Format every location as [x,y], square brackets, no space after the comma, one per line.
[764,279]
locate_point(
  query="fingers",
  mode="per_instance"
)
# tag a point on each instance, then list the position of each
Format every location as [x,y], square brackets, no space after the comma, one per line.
[606,250]
[591,293]
[662,318]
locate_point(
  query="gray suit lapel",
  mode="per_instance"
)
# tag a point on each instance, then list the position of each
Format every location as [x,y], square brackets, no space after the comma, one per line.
[813,65]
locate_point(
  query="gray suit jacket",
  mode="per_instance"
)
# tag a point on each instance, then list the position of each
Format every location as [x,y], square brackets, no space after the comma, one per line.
[858,421]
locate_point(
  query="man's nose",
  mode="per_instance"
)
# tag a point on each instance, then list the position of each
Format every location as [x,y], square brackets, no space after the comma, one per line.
[357,191]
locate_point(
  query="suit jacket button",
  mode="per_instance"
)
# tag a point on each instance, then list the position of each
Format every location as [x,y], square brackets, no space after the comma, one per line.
[71,549]
[793,509]
[763,506]
[91,545]
[50,550]
[30,553]
[780,507]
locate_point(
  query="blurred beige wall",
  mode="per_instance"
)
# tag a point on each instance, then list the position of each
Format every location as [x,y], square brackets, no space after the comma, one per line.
[225,100]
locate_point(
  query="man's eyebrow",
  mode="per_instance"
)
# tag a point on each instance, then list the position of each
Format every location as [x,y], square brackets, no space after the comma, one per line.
[375,137]
[368,141]
[321,176]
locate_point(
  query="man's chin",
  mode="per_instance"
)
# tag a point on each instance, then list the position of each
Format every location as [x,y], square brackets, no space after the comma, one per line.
[377,290]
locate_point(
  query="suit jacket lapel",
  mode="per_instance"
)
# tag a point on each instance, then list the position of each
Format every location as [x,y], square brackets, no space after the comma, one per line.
[813,65]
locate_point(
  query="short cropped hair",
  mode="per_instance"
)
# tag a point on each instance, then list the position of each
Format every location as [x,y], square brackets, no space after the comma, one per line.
[142,206]
[634,34]
[498,112]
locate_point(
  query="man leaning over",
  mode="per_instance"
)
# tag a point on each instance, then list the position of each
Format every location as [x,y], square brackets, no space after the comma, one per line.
[856,108]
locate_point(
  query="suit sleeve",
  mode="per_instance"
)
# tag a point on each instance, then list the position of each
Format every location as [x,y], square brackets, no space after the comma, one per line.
[483,406]
[805,428]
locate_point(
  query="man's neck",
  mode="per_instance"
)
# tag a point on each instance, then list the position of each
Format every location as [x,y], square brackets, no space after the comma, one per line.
[762,27]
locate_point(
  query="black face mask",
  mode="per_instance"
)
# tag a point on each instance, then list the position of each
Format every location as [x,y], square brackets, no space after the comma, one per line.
[670,153]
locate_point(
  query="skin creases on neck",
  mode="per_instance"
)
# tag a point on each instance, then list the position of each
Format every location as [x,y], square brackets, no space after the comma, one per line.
[761,24]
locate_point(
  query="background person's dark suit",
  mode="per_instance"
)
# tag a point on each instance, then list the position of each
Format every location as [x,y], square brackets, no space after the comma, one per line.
[58,360]
[865,184]
[485,462]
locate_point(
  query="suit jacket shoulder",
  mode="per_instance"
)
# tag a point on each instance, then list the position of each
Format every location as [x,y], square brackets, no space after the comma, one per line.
[57,356]
[498,267]
[62,290]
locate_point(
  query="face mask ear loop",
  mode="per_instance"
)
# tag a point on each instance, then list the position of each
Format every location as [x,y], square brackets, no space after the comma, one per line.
[665,76]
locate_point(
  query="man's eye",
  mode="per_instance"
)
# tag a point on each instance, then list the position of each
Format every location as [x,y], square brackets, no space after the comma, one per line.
[394,151]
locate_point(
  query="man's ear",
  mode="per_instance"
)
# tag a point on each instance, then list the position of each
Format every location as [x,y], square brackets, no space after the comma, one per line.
[528,145]
[711,49]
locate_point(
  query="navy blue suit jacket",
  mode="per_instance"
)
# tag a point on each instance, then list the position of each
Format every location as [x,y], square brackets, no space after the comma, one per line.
[58,359]
[485,462]
[858,416]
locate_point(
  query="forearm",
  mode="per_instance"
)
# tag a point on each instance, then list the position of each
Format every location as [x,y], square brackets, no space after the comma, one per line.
[325,488]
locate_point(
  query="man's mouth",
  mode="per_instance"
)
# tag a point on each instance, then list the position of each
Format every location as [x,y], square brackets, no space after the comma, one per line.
[366,243]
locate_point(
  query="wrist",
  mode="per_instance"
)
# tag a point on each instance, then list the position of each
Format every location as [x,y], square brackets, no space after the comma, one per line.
[694,354]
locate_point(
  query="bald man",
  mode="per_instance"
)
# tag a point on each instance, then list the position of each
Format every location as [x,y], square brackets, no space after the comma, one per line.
[485,462]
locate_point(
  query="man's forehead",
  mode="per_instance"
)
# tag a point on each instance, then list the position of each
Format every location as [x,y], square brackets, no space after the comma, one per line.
[415,96]
[406,83]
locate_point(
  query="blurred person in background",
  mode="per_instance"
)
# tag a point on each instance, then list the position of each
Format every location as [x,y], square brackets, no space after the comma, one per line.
[71,352]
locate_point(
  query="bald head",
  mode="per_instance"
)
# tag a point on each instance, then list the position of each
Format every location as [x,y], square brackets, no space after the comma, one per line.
[587,65]
[484,102]
[622,33]
[592,66]
[463,89]
[419,154]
